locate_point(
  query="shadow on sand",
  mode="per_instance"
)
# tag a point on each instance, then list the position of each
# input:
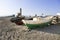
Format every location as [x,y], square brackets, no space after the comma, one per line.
[54,29]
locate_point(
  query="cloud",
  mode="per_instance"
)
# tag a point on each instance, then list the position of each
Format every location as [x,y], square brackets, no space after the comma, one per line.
[58,13]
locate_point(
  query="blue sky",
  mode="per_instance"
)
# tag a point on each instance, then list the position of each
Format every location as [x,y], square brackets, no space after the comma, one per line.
[29,7]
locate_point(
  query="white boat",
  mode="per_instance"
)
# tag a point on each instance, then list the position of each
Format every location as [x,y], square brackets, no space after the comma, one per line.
[37,22]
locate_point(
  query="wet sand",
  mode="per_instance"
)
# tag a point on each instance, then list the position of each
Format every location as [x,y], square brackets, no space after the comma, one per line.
[11,31]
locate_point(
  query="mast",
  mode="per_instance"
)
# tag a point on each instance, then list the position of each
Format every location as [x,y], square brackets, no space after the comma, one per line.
[20,11]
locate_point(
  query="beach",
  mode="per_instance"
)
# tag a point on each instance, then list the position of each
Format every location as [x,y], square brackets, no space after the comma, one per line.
[11,31]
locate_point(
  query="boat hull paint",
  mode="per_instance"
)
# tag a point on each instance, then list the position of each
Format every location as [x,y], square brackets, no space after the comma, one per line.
[37,25]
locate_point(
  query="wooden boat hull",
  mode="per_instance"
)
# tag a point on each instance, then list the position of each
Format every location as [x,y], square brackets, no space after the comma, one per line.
[37,25]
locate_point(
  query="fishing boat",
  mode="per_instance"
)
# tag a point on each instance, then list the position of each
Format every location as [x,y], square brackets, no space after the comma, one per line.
[37,22]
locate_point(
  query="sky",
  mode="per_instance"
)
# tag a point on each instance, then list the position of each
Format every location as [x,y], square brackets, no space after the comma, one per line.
[29,7]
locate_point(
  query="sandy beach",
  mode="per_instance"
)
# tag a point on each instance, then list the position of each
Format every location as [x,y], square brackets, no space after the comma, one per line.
[11,31]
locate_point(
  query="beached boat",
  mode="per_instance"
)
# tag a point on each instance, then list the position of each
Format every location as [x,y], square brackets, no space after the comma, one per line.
[37,22]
